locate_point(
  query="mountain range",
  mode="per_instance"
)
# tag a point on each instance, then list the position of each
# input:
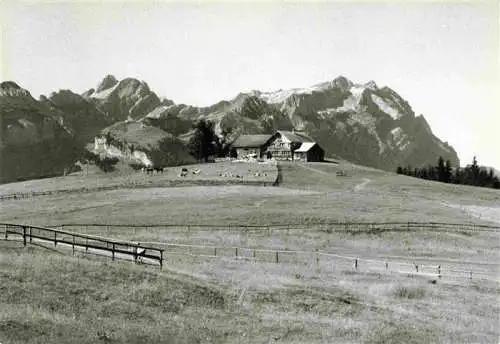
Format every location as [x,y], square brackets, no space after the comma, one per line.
[362,123]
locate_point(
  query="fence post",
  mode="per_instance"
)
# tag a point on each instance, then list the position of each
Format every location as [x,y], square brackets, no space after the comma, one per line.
[215,251]
[55,238]
[113,252]
[31,238]
[24,235]
[254,254]
[73,245]
[439,271]
[277,257]
[386,266]
[6,231]
[161,259]
[356,263]
[236,251]
[268,231]
[86,245]
[408,226]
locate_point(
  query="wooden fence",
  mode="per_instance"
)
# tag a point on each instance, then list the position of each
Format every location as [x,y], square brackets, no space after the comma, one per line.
[113,248]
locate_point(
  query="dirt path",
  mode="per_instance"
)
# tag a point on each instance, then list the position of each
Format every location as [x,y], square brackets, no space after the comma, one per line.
[314,169]
[362,185]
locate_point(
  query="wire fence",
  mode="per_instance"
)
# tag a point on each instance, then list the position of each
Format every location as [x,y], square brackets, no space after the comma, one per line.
[135,184]
[320,260]
[327,227]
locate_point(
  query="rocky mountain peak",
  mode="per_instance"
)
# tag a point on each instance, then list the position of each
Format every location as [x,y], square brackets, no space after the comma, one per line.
[108,82]
[11,89]
[371,85]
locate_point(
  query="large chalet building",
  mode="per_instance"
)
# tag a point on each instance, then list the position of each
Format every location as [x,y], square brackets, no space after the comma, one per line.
[282,145]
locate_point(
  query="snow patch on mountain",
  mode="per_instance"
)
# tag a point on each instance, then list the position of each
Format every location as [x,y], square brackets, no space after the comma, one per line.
[158,112]
[388,109]
[353,101]
[281,95]
[104,93]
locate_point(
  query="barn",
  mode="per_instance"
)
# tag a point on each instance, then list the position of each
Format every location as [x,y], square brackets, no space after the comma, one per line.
[309,151]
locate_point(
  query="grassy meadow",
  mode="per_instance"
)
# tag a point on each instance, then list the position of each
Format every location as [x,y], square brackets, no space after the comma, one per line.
[222,300]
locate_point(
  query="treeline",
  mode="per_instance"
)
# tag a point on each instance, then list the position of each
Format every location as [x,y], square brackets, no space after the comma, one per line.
[443,172]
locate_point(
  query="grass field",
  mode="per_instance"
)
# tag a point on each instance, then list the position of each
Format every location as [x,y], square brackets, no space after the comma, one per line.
[264,302]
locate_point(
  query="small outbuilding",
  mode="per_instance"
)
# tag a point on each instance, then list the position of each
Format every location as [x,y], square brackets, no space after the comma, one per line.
[309,151]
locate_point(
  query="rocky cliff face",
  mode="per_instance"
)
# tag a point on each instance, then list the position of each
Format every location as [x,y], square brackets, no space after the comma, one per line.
[136,143]
[33,142]
[362,123]
[78,114]
[125,99]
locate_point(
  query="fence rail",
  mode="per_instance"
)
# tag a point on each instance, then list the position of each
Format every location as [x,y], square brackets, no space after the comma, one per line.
[114,248]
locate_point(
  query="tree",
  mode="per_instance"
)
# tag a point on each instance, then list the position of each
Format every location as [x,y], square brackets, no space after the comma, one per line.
[448,176]
[223,143]
[204,142]
[399,170]
[441,171]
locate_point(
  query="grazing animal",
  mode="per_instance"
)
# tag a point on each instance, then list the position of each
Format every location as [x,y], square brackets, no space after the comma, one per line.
[158,170]
[184,172]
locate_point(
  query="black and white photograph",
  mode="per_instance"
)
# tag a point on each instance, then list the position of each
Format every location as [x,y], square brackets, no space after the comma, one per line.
[260,171]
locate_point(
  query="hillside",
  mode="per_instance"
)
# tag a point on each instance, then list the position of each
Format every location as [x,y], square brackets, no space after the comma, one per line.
[91,302]
[34,142]
[137,143]
[299,299]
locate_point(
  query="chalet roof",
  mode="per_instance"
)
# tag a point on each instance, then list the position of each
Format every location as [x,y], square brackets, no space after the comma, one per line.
[305,147]
[295,136]
[251,141]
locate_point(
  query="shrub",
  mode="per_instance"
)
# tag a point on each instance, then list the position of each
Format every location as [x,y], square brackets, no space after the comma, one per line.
[409,292]
[391,333]
[107,164]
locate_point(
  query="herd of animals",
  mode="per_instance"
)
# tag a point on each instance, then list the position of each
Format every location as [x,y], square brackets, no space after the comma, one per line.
[184,172]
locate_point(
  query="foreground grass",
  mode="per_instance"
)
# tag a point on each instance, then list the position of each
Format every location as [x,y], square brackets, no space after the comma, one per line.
[47,298]
[64,299]
[51,298]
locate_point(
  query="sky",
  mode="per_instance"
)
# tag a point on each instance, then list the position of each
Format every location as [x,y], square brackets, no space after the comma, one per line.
[442,57]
